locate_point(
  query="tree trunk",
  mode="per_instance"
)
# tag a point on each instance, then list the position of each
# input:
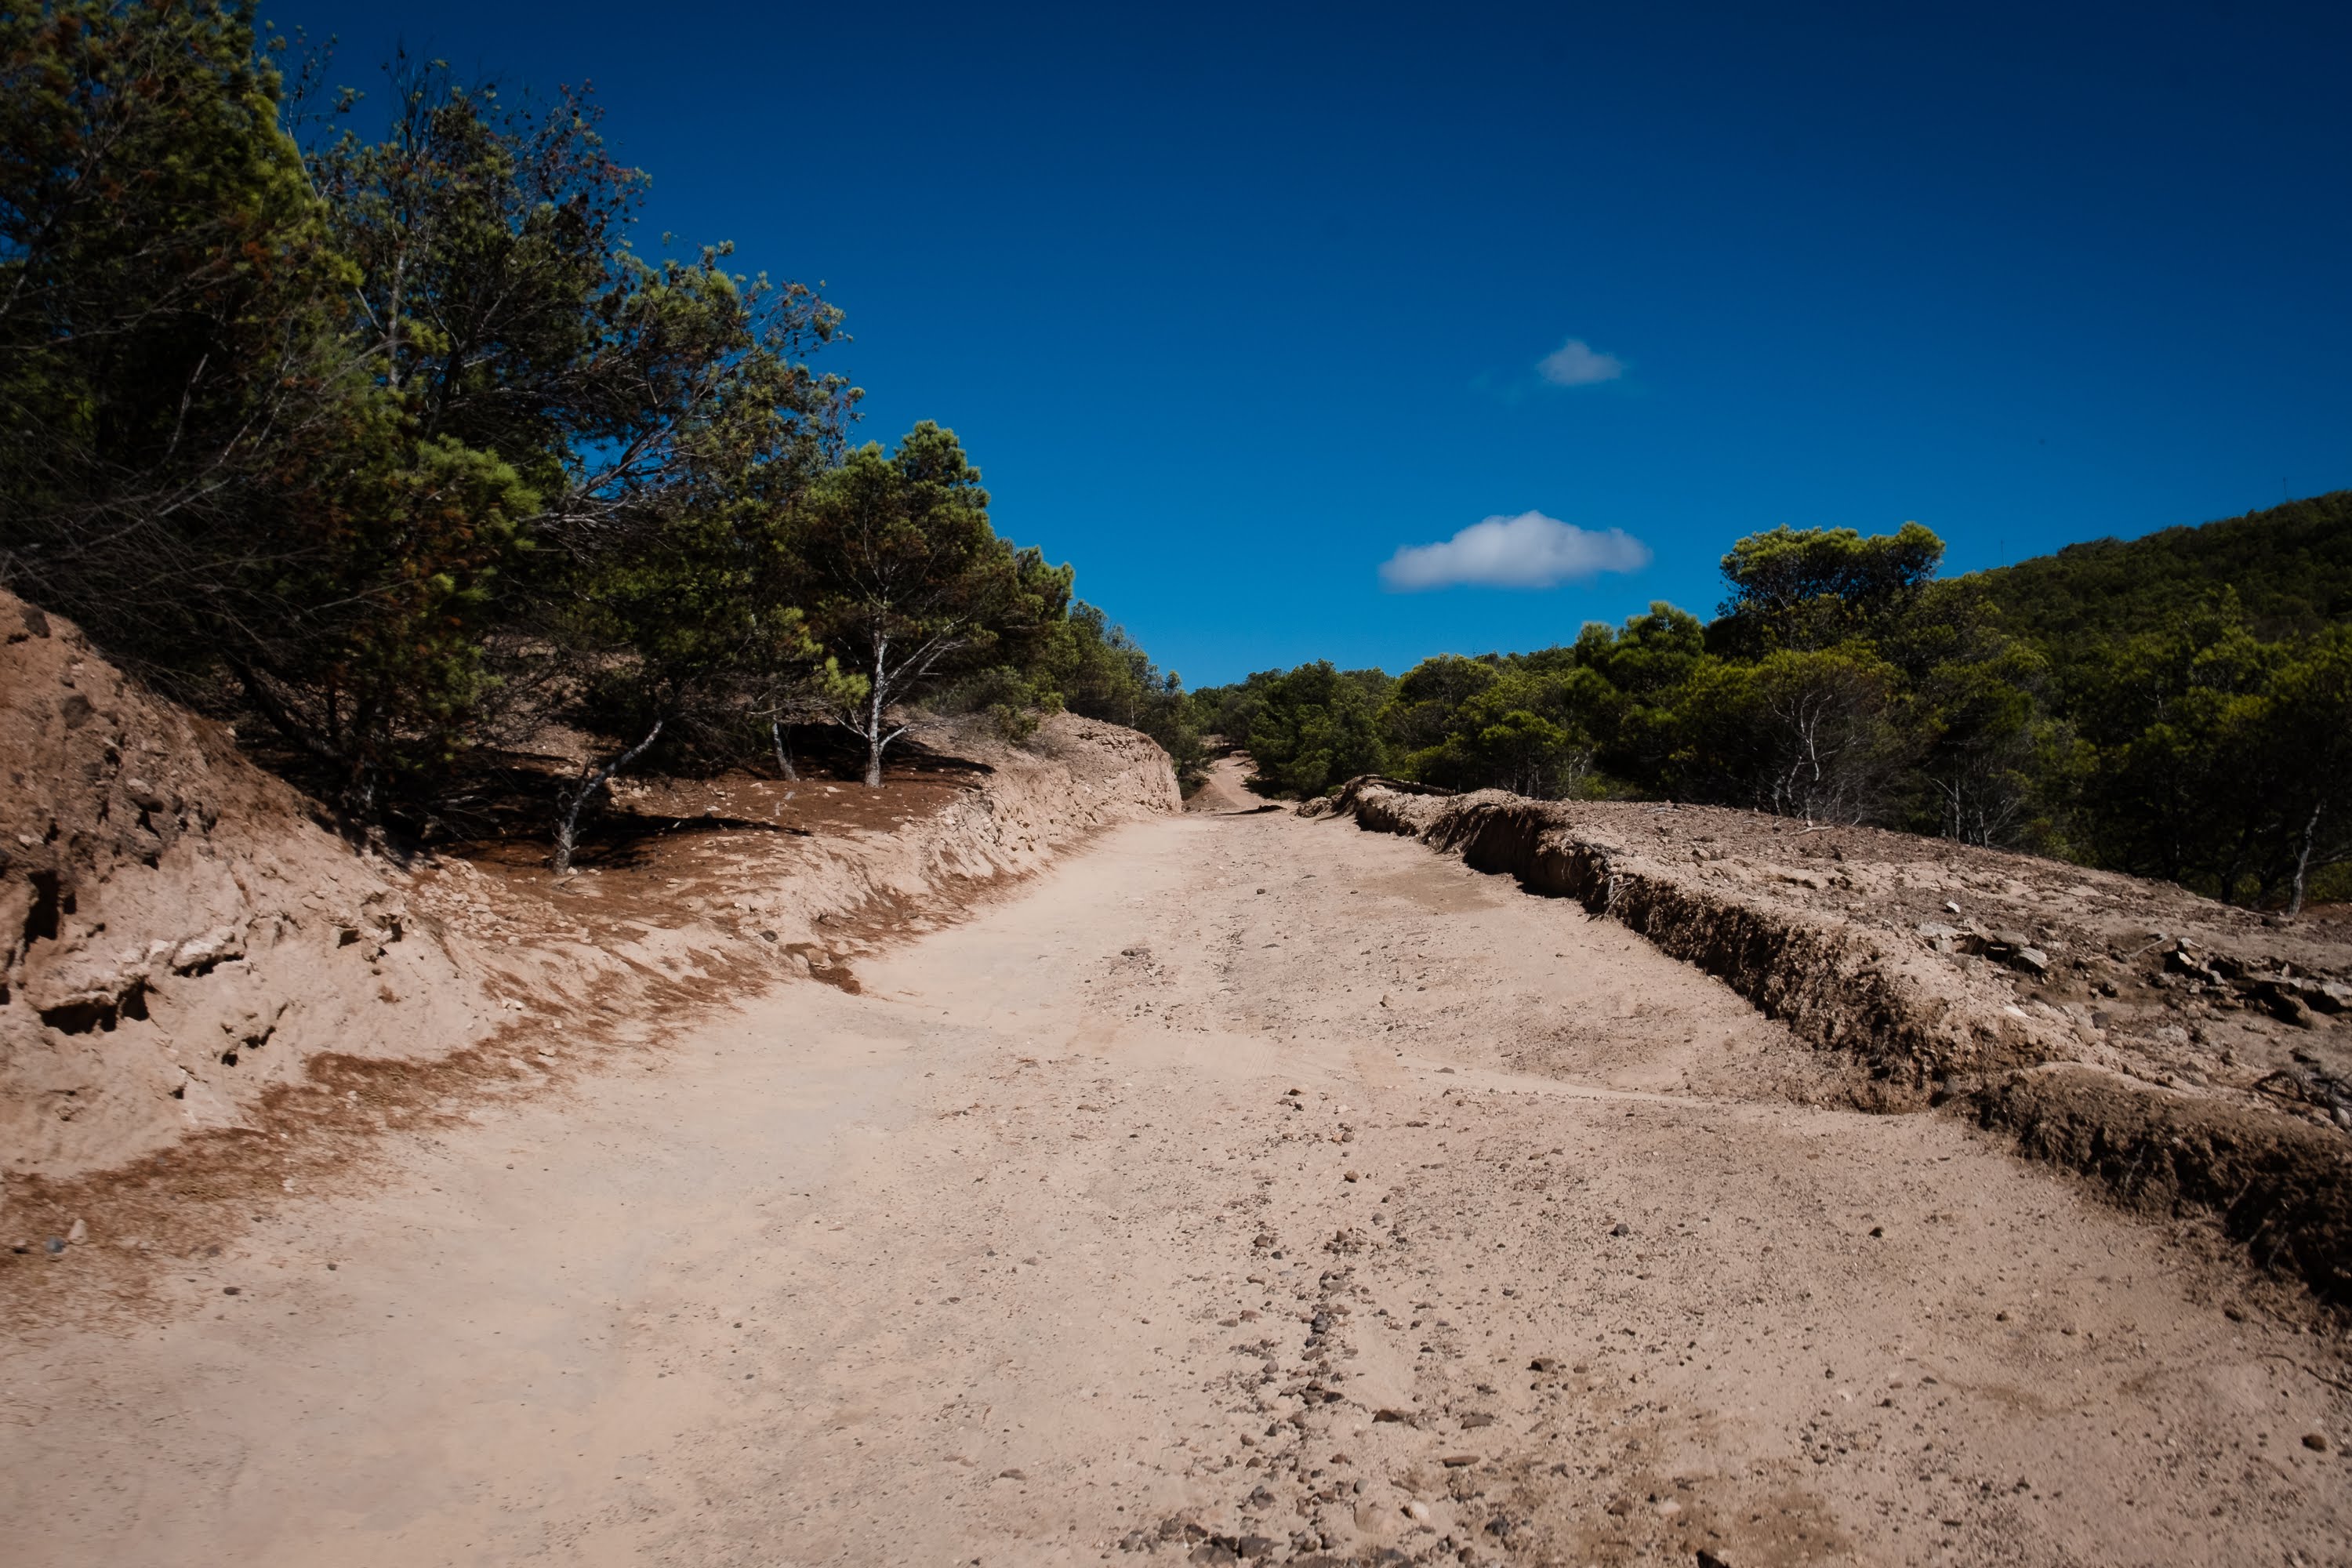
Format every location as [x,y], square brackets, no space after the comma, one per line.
[2303,861]
[783,756]
[874,742]
[592,780]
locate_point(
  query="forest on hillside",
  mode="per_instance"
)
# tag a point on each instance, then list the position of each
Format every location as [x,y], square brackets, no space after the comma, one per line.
[2178,706]
[363,422]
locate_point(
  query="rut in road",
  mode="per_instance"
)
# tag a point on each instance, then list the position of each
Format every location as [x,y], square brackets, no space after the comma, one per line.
[1245,1185]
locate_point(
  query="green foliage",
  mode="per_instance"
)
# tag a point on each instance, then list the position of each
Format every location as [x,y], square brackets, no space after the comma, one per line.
[1527,726]
[399,445]
[1815,587]
[1807,733]
[907,583]
[2290,566]
[2167,730]
[1420,714]
[2220,760]
[1314,728]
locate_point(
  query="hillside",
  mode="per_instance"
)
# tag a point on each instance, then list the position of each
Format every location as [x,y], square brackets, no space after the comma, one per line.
[2291,567]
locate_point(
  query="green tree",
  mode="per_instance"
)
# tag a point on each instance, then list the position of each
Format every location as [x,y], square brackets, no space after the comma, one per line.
[684,639]
[2311,736]
[1420,714]
[1314,728]
[1815,587]
[1529,731]
[1808,734]
[1975,703]
[906,582]
[1650,662]
[339,442]
[2219,760]
[500,300]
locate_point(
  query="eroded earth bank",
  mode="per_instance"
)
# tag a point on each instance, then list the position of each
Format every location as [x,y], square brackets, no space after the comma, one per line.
[1246,1184]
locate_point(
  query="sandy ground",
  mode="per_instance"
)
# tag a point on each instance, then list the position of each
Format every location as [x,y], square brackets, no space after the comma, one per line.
[1264,1177]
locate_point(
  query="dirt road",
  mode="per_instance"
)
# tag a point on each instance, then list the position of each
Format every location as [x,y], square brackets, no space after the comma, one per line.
[1265,1176]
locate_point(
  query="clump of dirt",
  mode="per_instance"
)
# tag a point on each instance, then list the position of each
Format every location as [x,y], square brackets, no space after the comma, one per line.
[186,945]
[2187,1054]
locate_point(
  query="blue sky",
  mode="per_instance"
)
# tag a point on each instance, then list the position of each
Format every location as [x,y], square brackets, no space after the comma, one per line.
[1231,305]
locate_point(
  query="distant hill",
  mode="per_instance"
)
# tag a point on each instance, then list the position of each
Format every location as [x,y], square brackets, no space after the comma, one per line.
[2291,565]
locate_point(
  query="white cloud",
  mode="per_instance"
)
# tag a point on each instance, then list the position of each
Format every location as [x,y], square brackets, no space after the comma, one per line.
[1578,363]
[1530,550]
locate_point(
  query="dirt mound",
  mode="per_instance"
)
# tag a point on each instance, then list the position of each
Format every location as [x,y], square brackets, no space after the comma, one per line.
[2189,1055]
[181,939]
[176,931]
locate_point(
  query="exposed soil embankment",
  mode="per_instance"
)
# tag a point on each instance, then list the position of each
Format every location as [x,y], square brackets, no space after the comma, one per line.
[2191,1057]
[181,939]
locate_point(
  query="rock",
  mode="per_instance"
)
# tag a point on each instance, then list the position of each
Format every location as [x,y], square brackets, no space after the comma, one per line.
[1259,1498]
[1256,1546]
[1417,1512]
[2316,1442]
[1402,1417]
[1012,1475]
[202,952]
[1544,1364]
[1709,1560]
[2032,959]
[1952,905]
[55,1244]
[1455,1462]
[78,1233]
[1621,1508]
[1621,1229]
[1212,1552]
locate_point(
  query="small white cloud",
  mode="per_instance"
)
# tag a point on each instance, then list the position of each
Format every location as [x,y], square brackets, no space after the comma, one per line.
[1530,550]
[1578,363]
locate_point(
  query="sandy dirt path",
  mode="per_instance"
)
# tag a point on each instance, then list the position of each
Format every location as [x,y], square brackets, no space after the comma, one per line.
[1269,1178]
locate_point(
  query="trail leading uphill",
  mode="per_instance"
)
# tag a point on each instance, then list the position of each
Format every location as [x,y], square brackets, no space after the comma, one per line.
[1245,1187]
